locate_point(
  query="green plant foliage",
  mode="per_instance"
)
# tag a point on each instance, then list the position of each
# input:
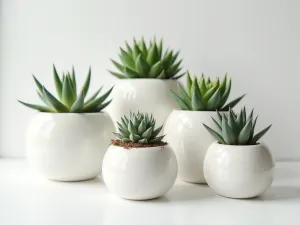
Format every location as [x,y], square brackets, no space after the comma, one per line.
[236,129]
[67,100]
[204,95]
[139,128]
[147,61]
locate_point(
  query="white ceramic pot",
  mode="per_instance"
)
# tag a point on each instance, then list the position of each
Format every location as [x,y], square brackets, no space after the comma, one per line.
[189,139]
[139,173]
[144,95]
[238,171]
[68,146]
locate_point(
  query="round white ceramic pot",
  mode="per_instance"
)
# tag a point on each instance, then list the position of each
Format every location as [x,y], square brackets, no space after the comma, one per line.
[189,139]
[68,146]
[139,173]
[238,171]
[144,95]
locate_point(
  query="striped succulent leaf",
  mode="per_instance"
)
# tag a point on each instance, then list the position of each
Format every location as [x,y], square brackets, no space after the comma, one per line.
[236,129]
[205,95]
[67,100]
[139,128]
[147,61]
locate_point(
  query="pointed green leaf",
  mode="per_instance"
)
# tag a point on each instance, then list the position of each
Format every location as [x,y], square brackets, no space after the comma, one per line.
[214,101]
[142,66]
[232,103]
[162,75]
[93,96]
[131,128]
[134,137]
[38,84]
[142,127]
[143,47]
[188,84]
[202,86]
[197,102]
[129,50]
[228,134]
[56,104]
[184,96]
[117,75]
[253,127]
[118,135]
[215,134]
[245,134]
[223,84]
[219,128]
[67,93]
[131,73]
[182,105]
[58,83]
[74,85]
[210,92]
[127,59]
[86,84]
[256,137]
[175,57]
[156,69]
[156,132]
[153,55]
[103,106]
[178,76]
[147,134]
[118,65]
[136,51]
[232,123]
[96,102]
[37,107]
[160,48]
[156,140]
[226,93]
[143,141]
[78,104]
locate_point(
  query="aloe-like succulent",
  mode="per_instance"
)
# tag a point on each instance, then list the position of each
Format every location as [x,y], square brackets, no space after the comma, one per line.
[204,95]
[236,129]
[139,128]
[68,101]
[147,61]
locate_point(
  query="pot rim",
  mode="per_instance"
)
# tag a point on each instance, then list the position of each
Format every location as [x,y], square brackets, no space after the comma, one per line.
[259,144]
[72,114]
[146,79]
[141,149]
[195,112]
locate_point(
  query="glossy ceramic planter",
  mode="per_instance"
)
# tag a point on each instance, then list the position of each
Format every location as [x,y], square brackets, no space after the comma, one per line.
[139,173]
[189,140]
[68,146]
[238,171]
[144,95]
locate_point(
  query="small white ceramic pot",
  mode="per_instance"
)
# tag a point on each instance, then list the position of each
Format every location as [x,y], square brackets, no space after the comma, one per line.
[139,173]
[189,139]
[238,171]
[68,146]
[144,95]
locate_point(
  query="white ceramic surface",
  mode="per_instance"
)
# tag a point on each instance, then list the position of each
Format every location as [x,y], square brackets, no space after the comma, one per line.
[68,146]
[144,95]
[189,139]
[238,171]
[139,173]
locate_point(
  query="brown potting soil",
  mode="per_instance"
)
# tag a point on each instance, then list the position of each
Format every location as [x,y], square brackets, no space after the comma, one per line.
[128,145]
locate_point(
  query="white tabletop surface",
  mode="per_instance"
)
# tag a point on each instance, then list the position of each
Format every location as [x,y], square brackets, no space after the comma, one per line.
[26,198]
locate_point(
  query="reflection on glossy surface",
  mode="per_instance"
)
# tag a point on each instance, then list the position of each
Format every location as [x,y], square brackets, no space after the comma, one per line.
[238,171]
[68,146]
[144,95]
[139,173]
[189,140]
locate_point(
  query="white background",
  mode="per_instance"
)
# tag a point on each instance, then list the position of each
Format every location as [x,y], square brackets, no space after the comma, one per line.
[256,42]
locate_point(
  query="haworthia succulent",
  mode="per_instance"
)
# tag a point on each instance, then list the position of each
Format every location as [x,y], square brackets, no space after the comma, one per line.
[204,95]
[147,61]
[139,128]
[236,129]
[67,99]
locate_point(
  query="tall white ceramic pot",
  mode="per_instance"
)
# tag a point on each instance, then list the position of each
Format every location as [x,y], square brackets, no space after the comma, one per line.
[139,173]
[239,171]
[144,95]
[189,139]
[68,146]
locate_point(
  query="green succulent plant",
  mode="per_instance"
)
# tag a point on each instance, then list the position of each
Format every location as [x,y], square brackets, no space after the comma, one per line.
[204,95]
[68,101]
[147,61]
[236,129]
[139,128]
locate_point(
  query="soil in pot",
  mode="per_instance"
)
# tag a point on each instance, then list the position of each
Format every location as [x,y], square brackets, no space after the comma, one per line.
[128,145]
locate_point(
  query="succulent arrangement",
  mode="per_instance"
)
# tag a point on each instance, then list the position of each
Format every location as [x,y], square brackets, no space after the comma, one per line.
[147,61]
[68,100]
[204,95]
[236,129]
[139,128]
